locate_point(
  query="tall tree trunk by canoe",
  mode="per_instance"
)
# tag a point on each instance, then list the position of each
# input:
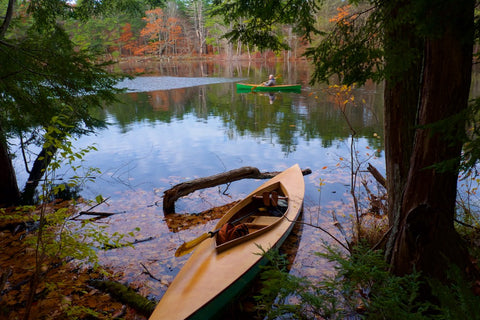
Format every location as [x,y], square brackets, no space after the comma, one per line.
[426,239]
[400,104]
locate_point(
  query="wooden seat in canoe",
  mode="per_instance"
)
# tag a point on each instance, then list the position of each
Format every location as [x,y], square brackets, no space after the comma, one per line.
[264,220]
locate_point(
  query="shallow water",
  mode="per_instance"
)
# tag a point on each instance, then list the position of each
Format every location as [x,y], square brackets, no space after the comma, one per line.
[146,84]
[175,126]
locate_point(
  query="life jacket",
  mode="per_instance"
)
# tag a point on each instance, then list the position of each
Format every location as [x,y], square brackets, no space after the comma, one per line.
[229,232]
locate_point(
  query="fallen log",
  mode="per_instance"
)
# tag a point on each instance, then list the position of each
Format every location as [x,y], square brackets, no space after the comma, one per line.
[125,295]
[185,188]
[377,175]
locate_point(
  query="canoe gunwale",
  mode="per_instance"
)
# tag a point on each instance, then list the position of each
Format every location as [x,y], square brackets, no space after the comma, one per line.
[249,274]
[247,277]
[266,227]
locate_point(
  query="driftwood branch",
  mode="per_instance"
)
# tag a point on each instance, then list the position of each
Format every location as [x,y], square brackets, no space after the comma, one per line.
[185,188]
[377,175]
[91,213]
[123,245]
[95,215]
[148,272]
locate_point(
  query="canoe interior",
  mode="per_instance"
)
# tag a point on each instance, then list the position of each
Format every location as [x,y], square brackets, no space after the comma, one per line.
[259,216]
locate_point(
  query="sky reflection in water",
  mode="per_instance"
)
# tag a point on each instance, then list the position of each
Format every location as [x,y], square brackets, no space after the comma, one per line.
[195,127]
[145,84]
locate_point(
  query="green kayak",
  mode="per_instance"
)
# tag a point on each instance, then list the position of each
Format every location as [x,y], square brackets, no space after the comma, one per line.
[246,87]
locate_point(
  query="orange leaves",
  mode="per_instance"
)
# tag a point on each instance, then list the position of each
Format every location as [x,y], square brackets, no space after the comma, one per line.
[63,293]
[127,41]
[127,33]
[162,31]
[344,17]
[155,23]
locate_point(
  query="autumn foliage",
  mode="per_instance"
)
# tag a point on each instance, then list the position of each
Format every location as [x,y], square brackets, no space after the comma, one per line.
[127,41]
[344,16]
[63,293]
[163,33]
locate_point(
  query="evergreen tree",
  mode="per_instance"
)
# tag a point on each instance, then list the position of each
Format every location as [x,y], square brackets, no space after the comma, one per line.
[44,75]
[423,52]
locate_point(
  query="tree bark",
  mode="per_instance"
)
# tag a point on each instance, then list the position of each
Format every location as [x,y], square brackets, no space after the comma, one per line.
[426,239]
[7,19]
[39,165]
[9,192]
[402,87]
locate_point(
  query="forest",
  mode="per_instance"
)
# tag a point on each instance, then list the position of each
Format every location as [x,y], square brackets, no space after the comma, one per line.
[183,29]
[55,57]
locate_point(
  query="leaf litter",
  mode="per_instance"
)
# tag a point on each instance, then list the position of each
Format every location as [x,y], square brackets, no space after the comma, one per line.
[150,266]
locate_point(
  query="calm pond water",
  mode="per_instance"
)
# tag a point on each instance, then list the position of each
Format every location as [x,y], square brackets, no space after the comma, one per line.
[184,121]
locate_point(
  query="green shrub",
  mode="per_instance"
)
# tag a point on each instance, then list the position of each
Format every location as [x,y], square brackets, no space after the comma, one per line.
[362,287]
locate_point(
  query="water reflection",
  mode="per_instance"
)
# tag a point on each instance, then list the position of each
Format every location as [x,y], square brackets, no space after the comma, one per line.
[309,115]
[159,137]
[156,139]
[271,97]
[147,84]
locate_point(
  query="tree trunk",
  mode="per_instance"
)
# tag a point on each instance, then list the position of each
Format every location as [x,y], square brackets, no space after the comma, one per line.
[426,239]
[41,163]
[9,193]
[402,88]
[7,19]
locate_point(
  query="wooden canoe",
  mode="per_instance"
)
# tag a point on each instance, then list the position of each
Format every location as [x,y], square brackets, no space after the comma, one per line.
[248,87]
[216,273]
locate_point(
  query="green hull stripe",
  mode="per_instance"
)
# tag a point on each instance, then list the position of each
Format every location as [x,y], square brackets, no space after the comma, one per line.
[260,88]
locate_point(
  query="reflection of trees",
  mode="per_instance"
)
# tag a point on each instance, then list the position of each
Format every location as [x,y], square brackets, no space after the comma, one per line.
[290,117]
[161,100]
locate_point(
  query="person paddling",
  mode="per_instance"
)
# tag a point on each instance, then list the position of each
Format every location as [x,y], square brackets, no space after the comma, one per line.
[270,82]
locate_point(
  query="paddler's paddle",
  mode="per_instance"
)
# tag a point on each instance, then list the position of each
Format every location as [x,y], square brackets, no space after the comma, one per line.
[255,87]
[187,247]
